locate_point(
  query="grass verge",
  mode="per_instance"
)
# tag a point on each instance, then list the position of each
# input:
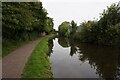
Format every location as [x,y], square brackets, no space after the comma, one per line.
[10,45]
[38,65]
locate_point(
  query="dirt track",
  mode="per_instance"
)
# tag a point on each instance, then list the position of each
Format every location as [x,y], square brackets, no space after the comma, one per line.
[14,63]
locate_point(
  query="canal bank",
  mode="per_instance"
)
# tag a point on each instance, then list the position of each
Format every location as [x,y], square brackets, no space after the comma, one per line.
[14,63]
[38,65]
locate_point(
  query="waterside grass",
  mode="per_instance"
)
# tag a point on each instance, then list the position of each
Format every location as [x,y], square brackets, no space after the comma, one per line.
[38,65]
[9,45]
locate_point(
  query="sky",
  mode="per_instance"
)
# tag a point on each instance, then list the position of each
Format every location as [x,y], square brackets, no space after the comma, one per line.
[77,10]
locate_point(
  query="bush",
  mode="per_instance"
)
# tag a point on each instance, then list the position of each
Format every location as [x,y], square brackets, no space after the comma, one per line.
[106,31]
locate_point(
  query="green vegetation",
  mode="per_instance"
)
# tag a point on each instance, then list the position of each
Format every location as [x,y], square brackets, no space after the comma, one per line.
[63,42]
[23,21]
[64,29]
[38,65]
[105,31]
[67,29]
[49,25]
[74,28]
[9,46]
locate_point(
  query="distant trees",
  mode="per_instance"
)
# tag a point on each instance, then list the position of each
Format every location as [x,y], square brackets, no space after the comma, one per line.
[88,32]
[105,31]
[64,29]
[67,28]
[73,26]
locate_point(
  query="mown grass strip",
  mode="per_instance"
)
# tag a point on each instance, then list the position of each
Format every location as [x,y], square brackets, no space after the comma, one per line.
[38,65]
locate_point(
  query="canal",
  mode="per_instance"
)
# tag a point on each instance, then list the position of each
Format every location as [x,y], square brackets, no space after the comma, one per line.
[79,60]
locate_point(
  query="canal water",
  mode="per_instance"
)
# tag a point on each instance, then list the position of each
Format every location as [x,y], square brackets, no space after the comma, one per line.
[77,60]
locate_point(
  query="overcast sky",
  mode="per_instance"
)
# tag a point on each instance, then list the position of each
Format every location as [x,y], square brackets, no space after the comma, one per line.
[77,10]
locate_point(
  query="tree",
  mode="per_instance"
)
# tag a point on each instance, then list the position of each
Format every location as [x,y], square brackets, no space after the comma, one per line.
[106,31]
[73,26]
[65,29]
[24,20]
[49,25]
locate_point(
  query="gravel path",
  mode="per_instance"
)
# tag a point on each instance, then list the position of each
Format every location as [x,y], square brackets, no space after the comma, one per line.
[14,63]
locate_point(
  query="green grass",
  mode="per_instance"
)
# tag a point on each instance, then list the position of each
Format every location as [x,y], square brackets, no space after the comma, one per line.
[38,65]
[10,45]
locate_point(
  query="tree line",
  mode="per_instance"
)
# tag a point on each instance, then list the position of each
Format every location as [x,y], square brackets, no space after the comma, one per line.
[105,31]
[24,20]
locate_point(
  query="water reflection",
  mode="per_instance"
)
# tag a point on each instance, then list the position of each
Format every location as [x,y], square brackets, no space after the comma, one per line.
[73,49]
[50,45]
[63,42]
[105,61]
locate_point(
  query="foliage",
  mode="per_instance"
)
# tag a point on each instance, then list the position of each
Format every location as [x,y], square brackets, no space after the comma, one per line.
[106,31]
[23,21]
[63,42]
[68,29]
[87,32]
[49,25]
[22,18]
[64,29]
[74,27]
[10,45]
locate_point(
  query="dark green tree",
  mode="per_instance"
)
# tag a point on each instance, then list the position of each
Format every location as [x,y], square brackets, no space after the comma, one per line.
[65,29]
[74,27]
